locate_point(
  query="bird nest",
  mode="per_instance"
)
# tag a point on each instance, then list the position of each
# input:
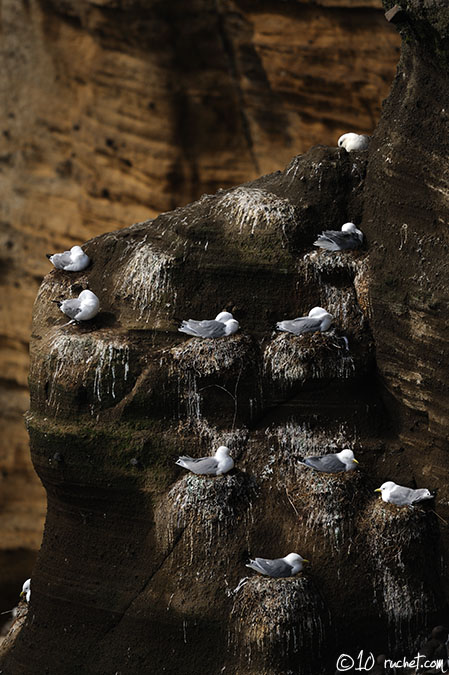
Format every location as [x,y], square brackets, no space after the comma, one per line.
[280,625]
[209,356]
[328,502]
[205,511]
[402,544]
[312,356]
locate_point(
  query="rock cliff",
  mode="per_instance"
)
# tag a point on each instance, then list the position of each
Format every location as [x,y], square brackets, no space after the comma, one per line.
[140,566]
[118,110]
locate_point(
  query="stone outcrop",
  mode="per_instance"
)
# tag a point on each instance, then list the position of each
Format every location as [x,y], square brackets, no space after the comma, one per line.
[118,110]
[141,565]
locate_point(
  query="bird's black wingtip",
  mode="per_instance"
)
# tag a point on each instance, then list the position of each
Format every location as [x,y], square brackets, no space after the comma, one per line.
[48,255]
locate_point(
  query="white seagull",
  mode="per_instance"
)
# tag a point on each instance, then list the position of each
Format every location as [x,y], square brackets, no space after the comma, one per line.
[401,496]
[26,590]
[223,325]
[352,142]
[318,320]
[74,260]
[217,465]
[332,463]
[82,308]
[279,567]
[349,237]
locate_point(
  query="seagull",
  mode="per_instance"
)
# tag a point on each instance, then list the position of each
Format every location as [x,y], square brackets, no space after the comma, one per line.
[334,240]
[74,260]
[224,324]
[26,590]
[217,465]
[352,142]
[318,320]
[82,308]
[279,567]
[332,463]
[397,494]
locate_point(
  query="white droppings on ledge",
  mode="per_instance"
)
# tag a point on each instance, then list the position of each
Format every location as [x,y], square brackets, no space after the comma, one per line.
[80,360]
[255,209]
[145,278]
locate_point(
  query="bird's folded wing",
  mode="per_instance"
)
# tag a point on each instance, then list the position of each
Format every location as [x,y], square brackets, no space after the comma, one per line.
[303,324]
[72,308]
[329,463]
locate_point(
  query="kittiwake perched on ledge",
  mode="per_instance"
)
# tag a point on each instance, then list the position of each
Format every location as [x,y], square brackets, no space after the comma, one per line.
[26,590]
[332,463]
[349,237]
[352,142]
[279,567]
[82,308]
[402,496]
[223,325]
[318,320]
[217,465]
[74,260]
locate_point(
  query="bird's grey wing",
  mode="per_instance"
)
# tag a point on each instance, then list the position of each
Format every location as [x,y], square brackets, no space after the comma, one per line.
[206,329]
[201,465]
[402,495]
[325,463]
[421,494]
[335,240]
[274,568]
[71,307]
[60,260]
[211,328]
[304,324]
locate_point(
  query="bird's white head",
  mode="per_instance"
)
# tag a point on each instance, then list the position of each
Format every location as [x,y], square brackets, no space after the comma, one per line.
[293,558]
[222,451]
[317,311]
[348,227]
[77,251]
[386,488]
[26,589]
[224,316]
[347,456]
[232,326]
[346,137]
[87,295]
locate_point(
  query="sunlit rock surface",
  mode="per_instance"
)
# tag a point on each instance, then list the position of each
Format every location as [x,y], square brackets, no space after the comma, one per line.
[141,562]
[116,110]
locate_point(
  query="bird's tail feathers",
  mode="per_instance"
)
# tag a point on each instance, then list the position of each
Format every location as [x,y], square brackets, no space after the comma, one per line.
[327,244]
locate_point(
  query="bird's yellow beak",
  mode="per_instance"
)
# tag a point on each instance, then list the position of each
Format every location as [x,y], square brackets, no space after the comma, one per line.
[305,560]
[377,490]
[354,460]
[22,593]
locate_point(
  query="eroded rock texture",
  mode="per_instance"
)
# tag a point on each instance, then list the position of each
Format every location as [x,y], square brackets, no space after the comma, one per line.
[114,111]
[140,565]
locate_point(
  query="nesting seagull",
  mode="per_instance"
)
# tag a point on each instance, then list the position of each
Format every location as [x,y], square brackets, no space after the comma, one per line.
[74,260]
[402,496]
[217,465]
[26,590]
[349,237]
[333,463]
[279,567]
[82,308]
[352,142]
[223,325]
[318,320]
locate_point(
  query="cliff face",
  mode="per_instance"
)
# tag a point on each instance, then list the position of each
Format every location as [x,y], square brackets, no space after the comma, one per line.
[406,216]
[140,565]
[116,111]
